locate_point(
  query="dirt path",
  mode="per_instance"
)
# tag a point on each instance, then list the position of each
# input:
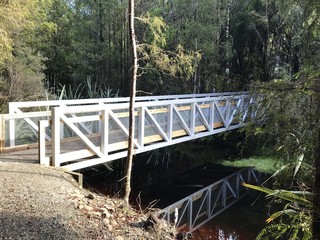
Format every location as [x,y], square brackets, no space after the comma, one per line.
[38,202]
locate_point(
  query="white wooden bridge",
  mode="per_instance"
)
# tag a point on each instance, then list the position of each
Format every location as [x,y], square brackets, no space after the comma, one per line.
[76,134]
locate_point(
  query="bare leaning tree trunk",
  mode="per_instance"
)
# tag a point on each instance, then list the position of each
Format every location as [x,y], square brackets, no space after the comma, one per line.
[134,69]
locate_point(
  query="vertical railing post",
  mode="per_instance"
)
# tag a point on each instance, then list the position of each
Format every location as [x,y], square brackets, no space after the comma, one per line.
[241,108]
[238,185]
[209,202]
[169,121]
[104,127]
[168,214]
[55,144]
[193,117]
[42,124]
[12,134]
[228,111]
[190,214]
[249,175]
[224,193]
[211,115]
[141,126]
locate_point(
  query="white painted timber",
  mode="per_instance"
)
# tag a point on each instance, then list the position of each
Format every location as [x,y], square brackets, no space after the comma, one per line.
[160,124]
[98,128]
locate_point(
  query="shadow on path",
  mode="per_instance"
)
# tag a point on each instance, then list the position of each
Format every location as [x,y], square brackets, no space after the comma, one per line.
[23,227]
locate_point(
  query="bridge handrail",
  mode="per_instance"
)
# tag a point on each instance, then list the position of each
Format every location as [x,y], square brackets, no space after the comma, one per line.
[14,106]
[115,106]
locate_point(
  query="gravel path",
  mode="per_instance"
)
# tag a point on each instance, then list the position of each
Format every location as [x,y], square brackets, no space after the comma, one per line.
[35,203]
[38,202]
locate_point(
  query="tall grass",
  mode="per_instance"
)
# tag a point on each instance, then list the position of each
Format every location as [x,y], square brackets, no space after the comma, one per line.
[88,89]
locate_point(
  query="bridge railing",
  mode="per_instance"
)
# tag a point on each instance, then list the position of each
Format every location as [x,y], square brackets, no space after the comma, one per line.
[84,136]
[193,211]
[20,129]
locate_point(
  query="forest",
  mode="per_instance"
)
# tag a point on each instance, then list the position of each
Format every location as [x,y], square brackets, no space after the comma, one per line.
[73,49]
[184,46]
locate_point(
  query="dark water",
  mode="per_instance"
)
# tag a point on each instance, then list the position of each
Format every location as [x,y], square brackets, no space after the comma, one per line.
[183,184]
[242,221]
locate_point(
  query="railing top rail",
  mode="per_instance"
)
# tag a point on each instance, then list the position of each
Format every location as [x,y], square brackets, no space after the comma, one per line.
[25,115]
[115,106]
[13,105]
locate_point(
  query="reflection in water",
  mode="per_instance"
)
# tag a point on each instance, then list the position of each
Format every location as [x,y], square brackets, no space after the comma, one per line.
[227,236]
[213,231]
[242,221]
[217,232]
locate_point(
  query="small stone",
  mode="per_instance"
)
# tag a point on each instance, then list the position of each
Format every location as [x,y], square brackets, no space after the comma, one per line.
[76,196]
[110,228]
[106,214]
[96,214]
[88,208]
[90,196]
[108,207]
[106,221]
[114,223]
[118,238]
[76,191]
[121,206]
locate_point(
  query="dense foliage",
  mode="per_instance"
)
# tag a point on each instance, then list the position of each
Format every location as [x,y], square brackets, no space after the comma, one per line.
[290,115]
[230,43]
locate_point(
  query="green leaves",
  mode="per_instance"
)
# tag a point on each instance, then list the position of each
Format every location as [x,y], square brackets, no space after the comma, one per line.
[155,53]
[157,27]
[302,198]
[298,209]
[289,212]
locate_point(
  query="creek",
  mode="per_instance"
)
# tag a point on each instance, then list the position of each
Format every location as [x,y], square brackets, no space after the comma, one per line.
[156,175]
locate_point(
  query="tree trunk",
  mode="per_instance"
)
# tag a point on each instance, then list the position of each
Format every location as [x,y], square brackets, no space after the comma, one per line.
[134,68]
